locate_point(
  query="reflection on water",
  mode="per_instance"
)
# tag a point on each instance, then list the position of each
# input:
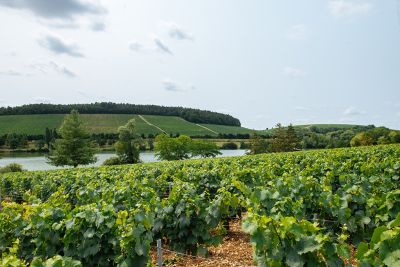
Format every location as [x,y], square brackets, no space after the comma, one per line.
[36,161]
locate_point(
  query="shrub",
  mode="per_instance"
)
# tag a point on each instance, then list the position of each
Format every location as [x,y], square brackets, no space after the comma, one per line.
[229,145]
[112,161]
[12,167]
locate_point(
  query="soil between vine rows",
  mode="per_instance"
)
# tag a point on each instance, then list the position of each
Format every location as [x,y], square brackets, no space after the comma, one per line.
[235,250]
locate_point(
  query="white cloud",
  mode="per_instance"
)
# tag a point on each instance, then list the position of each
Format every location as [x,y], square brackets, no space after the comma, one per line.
[157,46]
[82,93]
[50,9]
[11,53]
[11,73]
[136,46]
[161,46]
[301,108]
[298,32]
[59,13]
[173,86]
[98,26]
[62,70]
[42,100]
[59,46]
[294,72]
[345,8]
[46,67]
[177,32]
[398,114]
[353,111]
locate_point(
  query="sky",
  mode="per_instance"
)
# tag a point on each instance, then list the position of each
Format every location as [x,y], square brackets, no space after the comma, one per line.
[262,61]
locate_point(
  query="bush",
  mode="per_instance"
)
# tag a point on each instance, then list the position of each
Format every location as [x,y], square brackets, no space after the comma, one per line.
[229,145]
[12,167]
[244,145]
[112,161]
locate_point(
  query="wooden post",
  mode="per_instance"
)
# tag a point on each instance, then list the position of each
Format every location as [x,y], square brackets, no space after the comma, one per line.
[159,253]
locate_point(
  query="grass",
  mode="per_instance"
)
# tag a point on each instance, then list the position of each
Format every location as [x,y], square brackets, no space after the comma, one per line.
[224,129]
[97,123]
[176,125]
[109,123]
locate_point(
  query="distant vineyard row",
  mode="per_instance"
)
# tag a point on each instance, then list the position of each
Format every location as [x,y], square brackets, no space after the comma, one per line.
[314,208]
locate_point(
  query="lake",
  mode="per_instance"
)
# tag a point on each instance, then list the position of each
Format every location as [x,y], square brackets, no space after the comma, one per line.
[35,161]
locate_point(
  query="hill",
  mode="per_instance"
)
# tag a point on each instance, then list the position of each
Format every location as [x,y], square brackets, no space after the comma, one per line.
[109,123]
[189,114]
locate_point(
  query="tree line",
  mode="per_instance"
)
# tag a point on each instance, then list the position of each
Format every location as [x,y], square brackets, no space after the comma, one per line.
[189,114]
[286,139]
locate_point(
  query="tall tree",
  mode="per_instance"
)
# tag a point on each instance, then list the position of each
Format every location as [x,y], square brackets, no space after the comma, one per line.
[128,144]
[292,140]
[48,137]
[279,143]
[183,147]
[258,144]
[204,149]
[169,148]
[75,147]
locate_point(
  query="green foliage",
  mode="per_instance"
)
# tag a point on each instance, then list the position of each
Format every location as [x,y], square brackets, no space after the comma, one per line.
[75,147]
[257,145]
[302,208]
[109,123]
[184,220]
[284,140]
[189,114]
[229,145]
[14,141]
[204,149]
[379,135]
[12,167]
[168,148]
[128,144]
[183,147]
[361,139]
[292,140]
[112,161]
[56,261]
[384,247]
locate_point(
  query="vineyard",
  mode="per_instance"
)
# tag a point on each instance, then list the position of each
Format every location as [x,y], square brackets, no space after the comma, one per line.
[314,208]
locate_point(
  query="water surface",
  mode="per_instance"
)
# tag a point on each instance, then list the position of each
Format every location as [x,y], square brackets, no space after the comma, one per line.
[37,161]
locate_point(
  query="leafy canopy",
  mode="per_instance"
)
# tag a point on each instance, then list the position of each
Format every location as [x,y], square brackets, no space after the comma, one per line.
[183,147]
[75,147]
[128,144]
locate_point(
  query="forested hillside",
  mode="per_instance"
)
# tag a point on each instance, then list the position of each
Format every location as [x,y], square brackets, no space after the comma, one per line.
[189,114]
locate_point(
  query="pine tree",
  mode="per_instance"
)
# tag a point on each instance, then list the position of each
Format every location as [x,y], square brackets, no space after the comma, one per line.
[128,144]
[74,147]
[292,141]
[257,144]
[48,137]
[279,142]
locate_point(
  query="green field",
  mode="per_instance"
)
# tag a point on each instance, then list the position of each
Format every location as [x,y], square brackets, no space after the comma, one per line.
[225,129]
[109,123]
[97,123]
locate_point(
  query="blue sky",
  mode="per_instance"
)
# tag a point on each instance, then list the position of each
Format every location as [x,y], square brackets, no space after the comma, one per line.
[300,62]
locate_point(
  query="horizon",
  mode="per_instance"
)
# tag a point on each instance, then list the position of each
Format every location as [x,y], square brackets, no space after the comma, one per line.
[272,127]
[328,62]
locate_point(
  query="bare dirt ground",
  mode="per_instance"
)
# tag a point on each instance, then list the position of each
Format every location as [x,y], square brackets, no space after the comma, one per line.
[235,250]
